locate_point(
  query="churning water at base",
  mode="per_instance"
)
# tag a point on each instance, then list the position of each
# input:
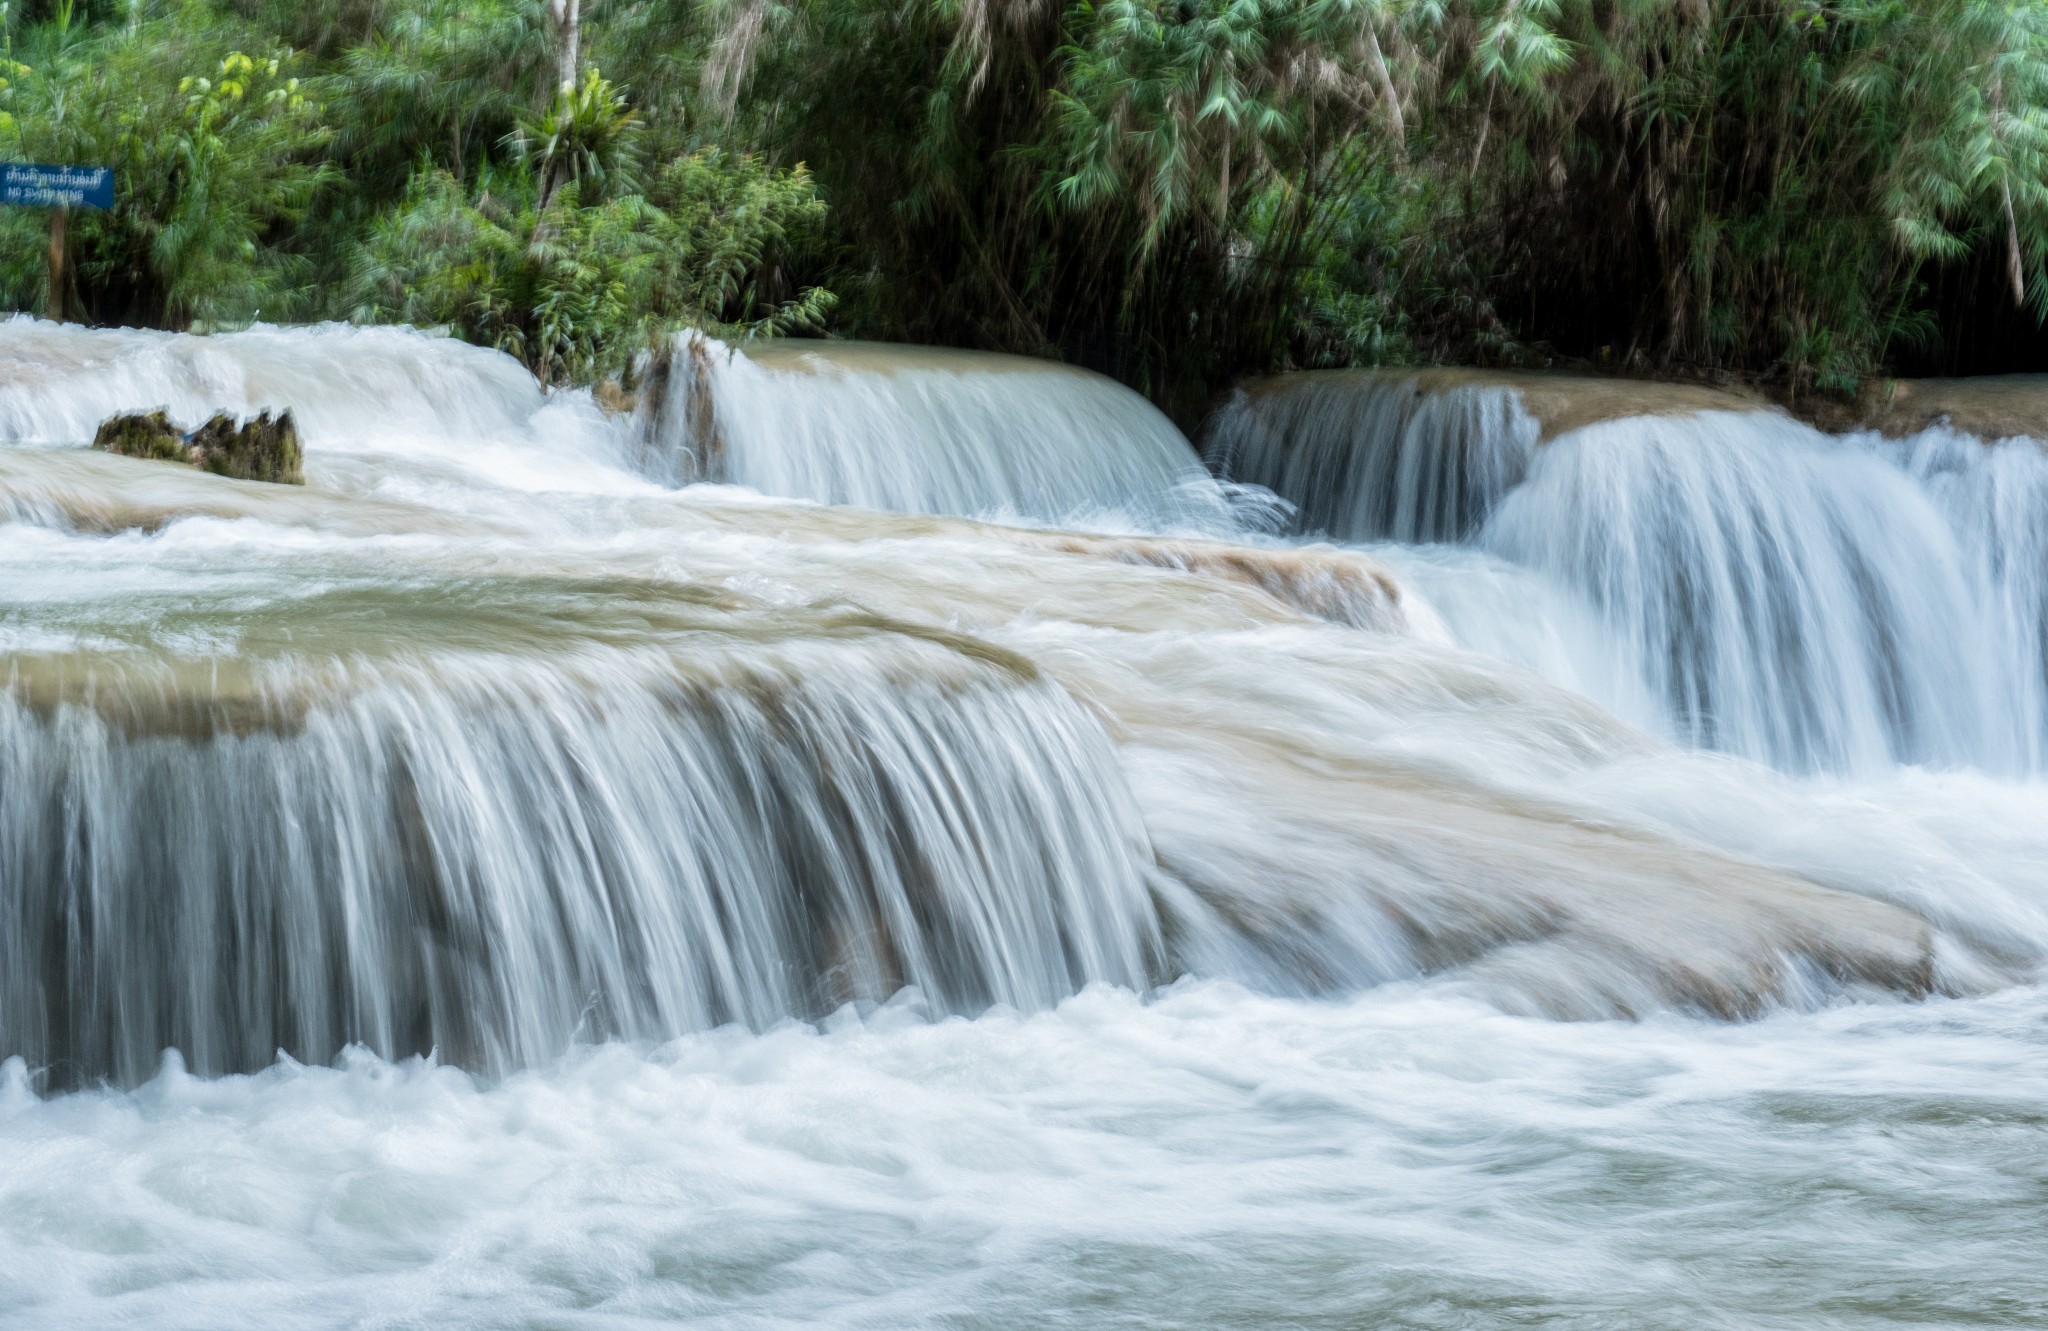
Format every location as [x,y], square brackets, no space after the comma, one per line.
[575,899]
[1214,1159]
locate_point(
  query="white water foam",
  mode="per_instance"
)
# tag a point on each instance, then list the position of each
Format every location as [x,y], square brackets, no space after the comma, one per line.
[345,386]
[1215,1159]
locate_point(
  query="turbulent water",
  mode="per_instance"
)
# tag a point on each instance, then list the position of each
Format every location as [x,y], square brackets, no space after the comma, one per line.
[585,872]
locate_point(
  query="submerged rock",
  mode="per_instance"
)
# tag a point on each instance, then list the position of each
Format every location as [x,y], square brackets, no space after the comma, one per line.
[265,449]
[143,435]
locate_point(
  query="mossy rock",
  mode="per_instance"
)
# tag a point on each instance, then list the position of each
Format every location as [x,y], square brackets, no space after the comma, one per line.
[265,449]
[143,435]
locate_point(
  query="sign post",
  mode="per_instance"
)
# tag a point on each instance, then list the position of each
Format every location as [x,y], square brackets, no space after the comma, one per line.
[60,222]
[60,189]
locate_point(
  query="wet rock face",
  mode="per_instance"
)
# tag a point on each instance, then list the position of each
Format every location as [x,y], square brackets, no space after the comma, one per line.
[1991,407]
[144,435]
[265,449]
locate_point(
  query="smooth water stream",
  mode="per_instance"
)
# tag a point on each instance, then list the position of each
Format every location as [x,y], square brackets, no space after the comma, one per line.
[579,898]
[922,430]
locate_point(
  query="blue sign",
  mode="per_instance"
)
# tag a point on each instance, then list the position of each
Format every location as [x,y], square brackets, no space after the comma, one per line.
[51,186]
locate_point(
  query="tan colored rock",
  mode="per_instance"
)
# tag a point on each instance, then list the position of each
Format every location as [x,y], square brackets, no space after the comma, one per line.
[1995,406]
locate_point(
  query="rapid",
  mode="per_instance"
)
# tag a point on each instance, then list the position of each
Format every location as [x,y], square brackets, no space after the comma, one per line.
[878,837]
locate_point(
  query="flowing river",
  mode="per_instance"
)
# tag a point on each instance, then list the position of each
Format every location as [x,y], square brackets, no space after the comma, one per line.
[884,838]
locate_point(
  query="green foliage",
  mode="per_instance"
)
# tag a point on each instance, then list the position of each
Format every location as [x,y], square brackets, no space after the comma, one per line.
[1769,184]
[1175,191]
[1763,185]
[445,258]
[588,136]
[216,154]
[577,289]
[445,81]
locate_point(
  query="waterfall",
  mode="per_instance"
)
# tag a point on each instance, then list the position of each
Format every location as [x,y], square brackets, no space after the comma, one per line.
[1371,457]
[1819,604]
[505,880]
[1793,599]
[491,858]
[921,430]
[1994,496]
[1415,455]
[346,387]
[485,744]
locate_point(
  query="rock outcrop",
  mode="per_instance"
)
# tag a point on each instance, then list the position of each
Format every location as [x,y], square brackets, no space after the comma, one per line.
[264,449]
[1991,407]
[674,402]
[144,435]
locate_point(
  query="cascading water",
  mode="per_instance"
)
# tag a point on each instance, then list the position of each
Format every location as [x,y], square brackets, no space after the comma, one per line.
[489,858]
[346,386]
[1813,603]
[1404,459]
[920,430]
[1415,456]
[1796,600]
[659,903]
[1993,496]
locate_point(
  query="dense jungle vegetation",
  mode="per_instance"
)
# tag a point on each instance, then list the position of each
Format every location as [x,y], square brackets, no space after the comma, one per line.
[1175,191]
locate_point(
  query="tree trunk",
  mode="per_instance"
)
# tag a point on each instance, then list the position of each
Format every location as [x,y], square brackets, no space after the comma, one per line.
[2015,267]
[568,16]
[60,218]
[1387,91]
